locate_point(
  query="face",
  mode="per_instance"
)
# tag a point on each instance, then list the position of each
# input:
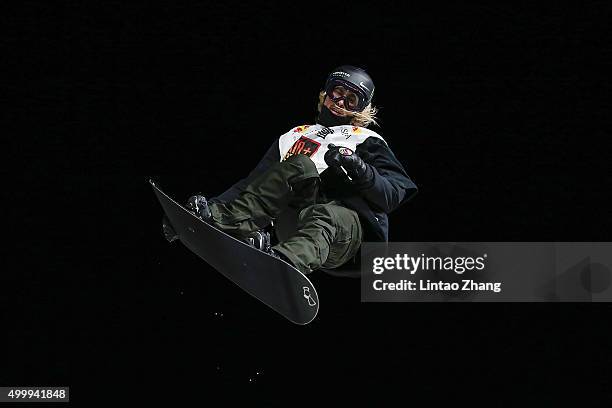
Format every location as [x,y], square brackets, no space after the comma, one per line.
[339,108]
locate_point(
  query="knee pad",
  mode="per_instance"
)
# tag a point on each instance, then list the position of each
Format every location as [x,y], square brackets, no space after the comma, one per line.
[305,192]
[304,162]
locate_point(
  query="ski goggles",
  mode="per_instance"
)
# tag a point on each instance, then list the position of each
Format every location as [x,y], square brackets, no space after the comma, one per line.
[354,100]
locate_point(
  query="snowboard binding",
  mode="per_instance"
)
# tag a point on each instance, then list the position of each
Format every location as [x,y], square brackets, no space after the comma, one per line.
[199,206]
[259,239]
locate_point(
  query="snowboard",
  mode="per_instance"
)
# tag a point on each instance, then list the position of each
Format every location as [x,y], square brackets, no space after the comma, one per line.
[270,280]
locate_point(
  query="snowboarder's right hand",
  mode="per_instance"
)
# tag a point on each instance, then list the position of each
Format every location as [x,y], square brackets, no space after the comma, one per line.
[169,232]
[345,158]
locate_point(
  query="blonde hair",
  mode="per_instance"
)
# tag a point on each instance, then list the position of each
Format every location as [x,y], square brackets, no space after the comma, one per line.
[362,119]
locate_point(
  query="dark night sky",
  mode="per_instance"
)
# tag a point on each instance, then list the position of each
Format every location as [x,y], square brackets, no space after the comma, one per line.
[500,115]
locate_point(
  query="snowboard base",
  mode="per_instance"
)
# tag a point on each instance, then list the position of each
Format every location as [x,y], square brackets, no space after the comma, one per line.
[271,280]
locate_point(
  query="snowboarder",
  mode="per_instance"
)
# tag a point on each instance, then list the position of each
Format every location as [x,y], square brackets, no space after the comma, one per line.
[335,180]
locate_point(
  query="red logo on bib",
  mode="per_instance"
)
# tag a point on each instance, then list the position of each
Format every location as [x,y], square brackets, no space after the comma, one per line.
[303,146]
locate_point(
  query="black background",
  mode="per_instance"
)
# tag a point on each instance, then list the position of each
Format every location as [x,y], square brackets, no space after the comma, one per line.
[500,115]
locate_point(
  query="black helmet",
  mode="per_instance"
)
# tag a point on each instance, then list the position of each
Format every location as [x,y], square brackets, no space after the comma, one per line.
[354,79]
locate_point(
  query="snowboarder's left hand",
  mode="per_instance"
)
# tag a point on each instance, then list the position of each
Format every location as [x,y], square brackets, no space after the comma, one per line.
[356,168]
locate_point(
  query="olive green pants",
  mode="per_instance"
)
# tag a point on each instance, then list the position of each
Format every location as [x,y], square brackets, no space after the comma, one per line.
[327,234]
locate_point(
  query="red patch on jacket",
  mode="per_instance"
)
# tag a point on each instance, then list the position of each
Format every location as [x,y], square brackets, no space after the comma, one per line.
[303,146]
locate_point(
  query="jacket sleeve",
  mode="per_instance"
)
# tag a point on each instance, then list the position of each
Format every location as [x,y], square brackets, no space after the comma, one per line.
[389,187]
[272,156]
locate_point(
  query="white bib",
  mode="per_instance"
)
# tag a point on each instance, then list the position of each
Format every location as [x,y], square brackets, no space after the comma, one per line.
[312,141]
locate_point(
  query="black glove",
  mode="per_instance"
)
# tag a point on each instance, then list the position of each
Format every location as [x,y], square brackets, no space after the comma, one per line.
[358,170]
